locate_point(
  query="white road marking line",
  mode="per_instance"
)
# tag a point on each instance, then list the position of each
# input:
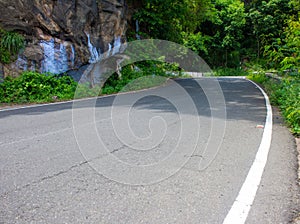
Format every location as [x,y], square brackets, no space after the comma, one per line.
[242,205]
[45,104]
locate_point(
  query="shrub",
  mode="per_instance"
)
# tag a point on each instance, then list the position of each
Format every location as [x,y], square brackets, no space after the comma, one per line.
[258,77]
[286,95]
[35,87]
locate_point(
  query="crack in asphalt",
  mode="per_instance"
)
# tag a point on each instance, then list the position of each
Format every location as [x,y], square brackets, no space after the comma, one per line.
[49,177]
[18,188]
[45,178]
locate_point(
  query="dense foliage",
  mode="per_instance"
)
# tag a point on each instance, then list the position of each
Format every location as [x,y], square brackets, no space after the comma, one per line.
[36,87]
[167,19]
[227,33]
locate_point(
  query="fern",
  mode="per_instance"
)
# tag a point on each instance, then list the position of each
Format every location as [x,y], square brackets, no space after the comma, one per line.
[10,45]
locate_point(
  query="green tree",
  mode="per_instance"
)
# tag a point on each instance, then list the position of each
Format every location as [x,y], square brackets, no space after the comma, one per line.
[226,33]
[268,19]
[291,49]
[170,20]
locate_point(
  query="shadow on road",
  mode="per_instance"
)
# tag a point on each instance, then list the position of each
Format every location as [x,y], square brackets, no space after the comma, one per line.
[244,101]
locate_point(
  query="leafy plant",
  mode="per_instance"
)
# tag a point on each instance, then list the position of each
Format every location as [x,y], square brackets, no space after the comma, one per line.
[291,49]
[260,77]
[12,41]
[10,45]
[4,56]
[196,42]
[35,87]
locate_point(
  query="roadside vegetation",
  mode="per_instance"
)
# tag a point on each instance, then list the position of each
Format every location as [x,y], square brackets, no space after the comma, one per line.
[33,87]
[140,75]
[229,72]
[284,93]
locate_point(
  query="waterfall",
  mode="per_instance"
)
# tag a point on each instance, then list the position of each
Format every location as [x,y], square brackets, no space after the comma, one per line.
[137,30]
[59,56]
[117,45]
[62,63]
[112,48]
[93,51]
[48,63]
[55,57]
[72,58]
[109,50]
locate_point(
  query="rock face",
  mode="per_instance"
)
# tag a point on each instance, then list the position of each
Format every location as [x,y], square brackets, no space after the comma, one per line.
[63,34]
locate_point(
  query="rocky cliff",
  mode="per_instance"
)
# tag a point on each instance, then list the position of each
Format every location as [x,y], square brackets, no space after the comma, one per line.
[63,34]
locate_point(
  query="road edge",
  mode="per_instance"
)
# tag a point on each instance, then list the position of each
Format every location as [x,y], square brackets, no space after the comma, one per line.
[297,140]
[296,218]
[242,205]
[298,150]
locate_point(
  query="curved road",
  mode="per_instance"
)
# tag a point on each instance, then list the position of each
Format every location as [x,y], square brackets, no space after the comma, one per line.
[50,173]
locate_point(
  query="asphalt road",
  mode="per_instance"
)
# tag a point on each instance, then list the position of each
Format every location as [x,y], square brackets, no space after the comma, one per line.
[173,154]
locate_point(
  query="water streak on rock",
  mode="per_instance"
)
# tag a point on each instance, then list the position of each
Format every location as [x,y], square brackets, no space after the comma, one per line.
[95,57]
[55,57]
[117,45]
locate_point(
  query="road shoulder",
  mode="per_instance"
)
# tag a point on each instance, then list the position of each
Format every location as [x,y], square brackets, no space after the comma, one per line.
[297,219]
[279,182]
